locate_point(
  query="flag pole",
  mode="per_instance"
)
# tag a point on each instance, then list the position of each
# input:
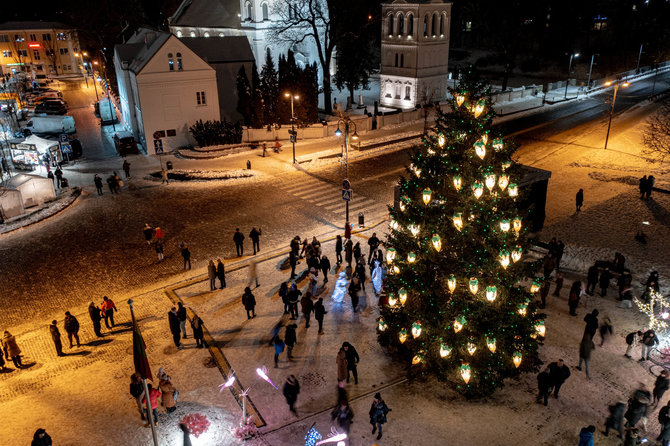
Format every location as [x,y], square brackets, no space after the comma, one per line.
[150,418]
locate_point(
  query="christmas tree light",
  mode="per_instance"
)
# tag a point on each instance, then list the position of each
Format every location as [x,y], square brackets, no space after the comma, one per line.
[656,310]
[437,242]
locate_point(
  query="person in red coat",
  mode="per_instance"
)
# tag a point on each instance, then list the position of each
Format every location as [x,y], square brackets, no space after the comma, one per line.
[154,394]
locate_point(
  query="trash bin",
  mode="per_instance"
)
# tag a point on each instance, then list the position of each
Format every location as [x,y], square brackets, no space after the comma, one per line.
[361,219]
[168,165]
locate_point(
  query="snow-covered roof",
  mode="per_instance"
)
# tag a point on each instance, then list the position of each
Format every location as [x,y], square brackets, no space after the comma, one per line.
[141,47]
[207,14]
[42,145]
[22,178]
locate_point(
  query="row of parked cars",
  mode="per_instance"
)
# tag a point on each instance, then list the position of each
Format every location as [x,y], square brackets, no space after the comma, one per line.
[47,101]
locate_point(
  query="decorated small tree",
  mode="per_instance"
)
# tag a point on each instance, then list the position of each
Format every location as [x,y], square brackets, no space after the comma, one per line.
[459,288]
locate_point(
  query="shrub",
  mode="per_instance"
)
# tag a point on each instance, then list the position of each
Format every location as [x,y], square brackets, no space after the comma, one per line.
[211,133]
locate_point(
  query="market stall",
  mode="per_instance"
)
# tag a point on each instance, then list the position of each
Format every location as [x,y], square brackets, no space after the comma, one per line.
[31,152]
[34,189]
[11,203]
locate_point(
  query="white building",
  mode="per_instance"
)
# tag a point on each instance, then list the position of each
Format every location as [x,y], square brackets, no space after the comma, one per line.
[164,87]
[251,18]
[415,52]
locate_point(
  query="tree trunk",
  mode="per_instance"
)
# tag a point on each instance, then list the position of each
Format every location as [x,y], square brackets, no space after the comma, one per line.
[327,105]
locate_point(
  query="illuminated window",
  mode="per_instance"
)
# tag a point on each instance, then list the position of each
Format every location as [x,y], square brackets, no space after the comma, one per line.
[171,61]
[179,65]
[19,38]
[61,36]
[6,54]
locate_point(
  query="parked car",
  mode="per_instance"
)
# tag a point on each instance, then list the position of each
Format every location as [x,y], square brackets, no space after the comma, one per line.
[50,108]
[50,125]
[43,90]
[125,143]
[48,100]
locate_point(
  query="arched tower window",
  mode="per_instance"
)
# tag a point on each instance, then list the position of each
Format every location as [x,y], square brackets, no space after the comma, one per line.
[170,61]
[410,24]
[390,24]
[425,25]
[179,65]
[433,26]
[249,10]
[266,14]
[441,25]
[401,24]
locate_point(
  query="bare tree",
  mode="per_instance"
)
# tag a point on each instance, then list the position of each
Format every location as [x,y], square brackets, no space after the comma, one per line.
[656,136]
[50,49]
[302,20]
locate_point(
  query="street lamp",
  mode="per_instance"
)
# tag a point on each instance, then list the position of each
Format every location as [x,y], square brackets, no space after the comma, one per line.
[617,84]
[293,135]
[567,81]
[588,83]
[346,120]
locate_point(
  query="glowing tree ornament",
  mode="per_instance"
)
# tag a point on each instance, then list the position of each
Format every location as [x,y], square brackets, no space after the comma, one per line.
[418,358]
[513,190]
[540,328]
[480,149]
[504,225]
[506,165]
[535,286]
[402,293]
[478,188]
[517,253]
[437,242]
[411,257]
[466,373]
[459,322]
[516,224]
[516,358]
[458,182]
[473,284]
[460,99]
[497,144]
[394,225]
[381,324]
[491,344]
[504,258]
[491,293]
[503,181]
[458,220]
[427,193]
[390,255]
[441,140]
[414,229]
[522,309]
[655,310]
[451,283]
[416,329]
[445,350]
[479,108]
[472,348]
[402,335]
[490,181]
[392,300]
[485,138]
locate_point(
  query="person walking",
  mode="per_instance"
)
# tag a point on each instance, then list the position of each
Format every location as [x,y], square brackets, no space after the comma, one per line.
[544,387]
[325,267]
[253,274]
[579,199]
[319,312]
[283,295]
[255,236]
[221,273]
[55,336]
[357,251]
[96,317]
[59,176]
[341,361]
[373,242]
[173,321]
[338,249]
[293,298]
[291,390]
[615,420]
[154,394]
[181,315]
[98,183]
[660,386]
[378,411]
[664,421]
[148,233]
[591,320]
[164,177]
[126,168]
[585,349]
[290,339]
[249,302]
[575,295]
[137,392]
[558,373]
[196,326]
[279,348]
[168,393]
[559,284]
[41,438]
[354,288]
[186,254]
[11,349]
[549,265]
[108,308]
[632,339]
[544,292]
[604,281]
[591,279]
[238,238]
[293,261]
[71,325]
[160,250]
[307,307]
[312,279]
[642,187]
[295,245]
[352,360]
[342,415]
[649,340]
[348,251]
[586,435]
[606,329]
[211,273]
[111,183]
[638,406]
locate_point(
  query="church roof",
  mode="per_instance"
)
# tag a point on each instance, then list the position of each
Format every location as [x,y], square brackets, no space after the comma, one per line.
[19,26]
[207,14]
[140,48]
[220,49]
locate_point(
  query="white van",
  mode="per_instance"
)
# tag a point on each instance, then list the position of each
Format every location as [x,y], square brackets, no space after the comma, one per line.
[50,125]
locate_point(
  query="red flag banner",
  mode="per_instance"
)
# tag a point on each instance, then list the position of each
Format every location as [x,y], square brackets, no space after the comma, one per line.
[140,354]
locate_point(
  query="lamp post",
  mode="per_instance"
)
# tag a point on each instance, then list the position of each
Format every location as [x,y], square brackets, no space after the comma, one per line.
[346,120]
[83,68]
[293,135]
[617,84]
[639,55]
[588,84]
[567,81]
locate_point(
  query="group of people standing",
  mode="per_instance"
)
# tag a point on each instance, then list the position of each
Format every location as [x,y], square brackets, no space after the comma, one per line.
[165,390]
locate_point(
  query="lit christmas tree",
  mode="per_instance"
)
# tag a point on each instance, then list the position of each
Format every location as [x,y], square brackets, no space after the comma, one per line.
[459,290]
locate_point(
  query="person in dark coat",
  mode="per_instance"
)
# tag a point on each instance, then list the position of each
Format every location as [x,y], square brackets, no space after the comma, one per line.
[348,251]
[325,267]
[544,292]
[71,325]
[649,340]
[255,236]
[293,261]
[221,273]
[126,168]
[592,279]
[249,302]
[148,233]
[352,360]
[137,392]
[378,411]
[549,265]
[559,284]
[10,349]
[293,298]
[664,421]
[173,321]
[338,249]
[342,415]
[283,295]
[632,339]
[291,390]
[579,199]
[196,326]
[357,251]
[558,373]
[96,317]
[660,386]
[586,436]
[560,250]
[604,281]
[295,246]
[238,238]
[186,254]
[585,348]
[307,307]
[319,312]
[59,176]
[544,387]
[575,295]
[211,274]
[642,186]
[354,288]
[181,315]
[290,339]
[41,438]
[615,419]
[637,406]
[279,348]
[373,242]
[98,183]
[591,320]
[55,336]
[606,329]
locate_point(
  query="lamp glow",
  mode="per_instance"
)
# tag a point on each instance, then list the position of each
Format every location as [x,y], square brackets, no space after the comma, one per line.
[516,224]
[490,181]
[506,165]
[459,322]
[414,229]
[535,286]
[503,181]
[392,300]
[516,358]
[418,358]
[504,225]
[228,383]
[411,257]
[473,284]
[540,328]
[460,99]
[445,350]
[521,309]
[416,329]
[458,182]
[437,242]
[396,270]
[497,144]
[402,336]
[402,293]
[390,255]
[478,189]
[263,374]
[513,190]
[458,220]
[441,140]
[491,344]
[479,108]
[466,373]
[504,258]
[516,254]
[472,348]
[382,324]
[427,193]
[491,293]
[480,149]
[451,283]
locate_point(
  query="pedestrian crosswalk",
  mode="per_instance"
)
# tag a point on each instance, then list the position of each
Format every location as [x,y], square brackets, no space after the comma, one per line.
[328,197]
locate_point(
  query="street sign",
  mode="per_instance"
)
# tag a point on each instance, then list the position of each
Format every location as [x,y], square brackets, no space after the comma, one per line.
[346,185]
[293,139]
[64,138]
[346,194]
[158,146]
[66,148]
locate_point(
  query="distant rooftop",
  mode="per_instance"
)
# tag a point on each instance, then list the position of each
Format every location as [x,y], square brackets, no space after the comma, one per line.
[207,14]
[19,26]
[220,49]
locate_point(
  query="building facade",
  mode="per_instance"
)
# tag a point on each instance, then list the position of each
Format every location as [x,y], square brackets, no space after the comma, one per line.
[415,52]
[164,87]
[38,48]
